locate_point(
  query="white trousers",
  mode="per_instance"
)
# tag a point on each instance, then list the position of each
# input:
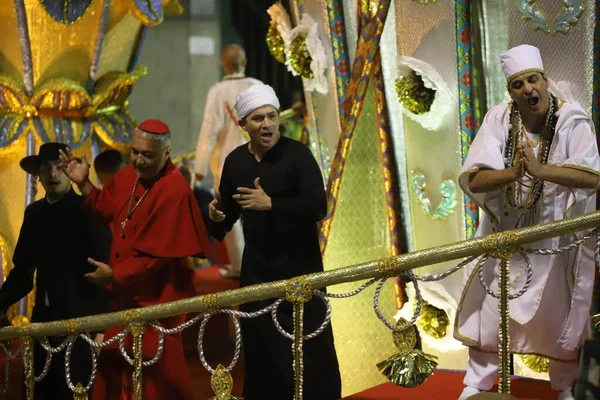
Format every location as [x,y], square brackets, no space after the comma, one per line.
[483,370]
[234,243]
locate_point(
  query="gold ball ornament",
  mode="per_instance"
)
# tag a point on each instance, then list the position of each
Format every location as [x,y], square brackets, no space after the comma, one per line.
[300,58]
[413,95]
[275,43]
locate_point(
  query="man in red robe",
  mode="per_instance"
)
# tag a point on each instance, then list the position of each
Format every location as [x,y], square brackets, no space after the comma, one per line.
[157,226]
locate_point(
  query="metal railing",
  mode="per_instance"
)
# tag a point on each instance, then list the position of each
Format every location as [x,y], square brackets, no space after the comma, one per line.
[297,290]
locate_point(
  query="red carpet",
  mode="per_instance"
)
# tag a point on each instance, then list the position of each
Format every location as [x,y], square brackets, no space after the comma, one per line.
[447,385]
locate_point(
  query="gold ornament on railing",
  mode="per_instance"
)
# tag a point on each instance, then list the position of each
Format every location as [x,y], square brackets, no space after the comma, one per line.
[433,321]
[536,363]
[389,267]
[80,392]
[501,245]
[221,383]
[410,367]
[413,94]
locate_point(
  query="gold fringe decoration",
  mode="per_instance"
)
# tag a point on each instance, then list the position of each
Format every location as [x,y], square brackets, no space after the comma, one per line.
[535,363]
[410,367]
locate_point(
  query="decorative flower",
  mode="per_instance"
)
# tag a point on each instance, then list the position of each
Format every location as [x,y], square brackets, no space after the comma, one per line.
[422,93]
[278,35]
[305,55]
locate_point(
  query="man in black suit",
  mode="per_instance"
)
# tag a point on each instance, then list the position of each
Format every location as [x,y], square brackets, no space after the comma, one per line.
[56,239]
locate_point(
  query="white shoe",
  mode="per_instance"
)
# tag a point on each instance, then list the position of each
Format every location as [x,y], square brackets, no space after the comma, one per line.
[566,395]
[468,392]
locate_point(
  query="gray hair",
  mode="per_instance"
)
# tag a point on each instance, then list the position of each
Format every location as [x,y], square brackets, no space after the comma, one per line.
[164,139]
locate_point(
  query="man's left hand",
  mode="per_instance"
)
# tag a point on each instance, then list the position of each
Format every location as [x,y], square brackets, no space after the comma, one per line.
[253,199]
[532,166]
[102,276]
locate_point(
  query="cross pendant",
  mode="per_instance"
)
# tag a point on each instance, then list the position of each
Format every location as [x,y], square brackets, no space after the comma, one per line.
[123,224]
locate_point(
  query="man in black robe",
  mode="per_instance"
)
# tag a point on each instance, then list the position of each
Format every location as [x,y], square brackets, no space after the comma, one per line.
[274,184]
[56,239]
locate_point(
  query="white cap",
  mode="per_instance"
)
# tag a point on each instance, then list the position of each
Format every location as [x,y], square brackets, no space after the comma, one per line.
[521,60]
[254,97]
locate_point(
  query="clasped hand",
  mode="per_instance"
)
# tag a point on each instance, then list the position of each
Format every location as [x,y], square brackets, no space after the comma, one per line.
[527,161]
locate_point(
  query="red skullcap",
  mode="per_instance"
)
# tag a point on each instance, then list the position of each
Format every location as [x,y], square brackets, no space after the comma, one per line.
[154,126]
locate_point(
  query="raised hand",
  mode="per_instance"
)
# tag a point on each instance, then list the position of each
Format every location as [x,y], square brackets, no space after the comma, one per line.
[253,199]
[214,208]
[78,172]
[102,276]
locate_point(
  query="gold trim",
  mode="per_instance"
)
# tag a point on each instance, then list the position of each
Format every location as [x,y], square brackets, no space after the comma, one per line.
[210,303]
[389,267]
[581,168]
[525,71]
[297,290]
[502,245]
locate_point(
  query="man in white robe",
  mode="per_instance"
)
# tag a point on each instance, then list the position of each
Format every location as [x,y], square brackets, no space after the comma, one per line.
[516,186]
[220,134]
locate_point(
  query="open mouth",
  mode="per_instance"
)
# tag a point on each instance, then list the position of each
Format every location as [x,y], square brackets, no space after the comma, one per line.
[533,101]
[266,135]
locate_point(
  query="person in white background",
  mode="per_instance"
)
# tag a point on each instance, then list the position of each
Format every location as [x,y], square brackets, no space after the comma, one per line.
[220,134]
[534,160]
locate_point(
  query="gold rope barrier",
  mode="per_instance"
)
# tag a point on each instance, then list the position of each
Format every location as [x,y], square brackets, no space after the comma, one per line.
[277,289]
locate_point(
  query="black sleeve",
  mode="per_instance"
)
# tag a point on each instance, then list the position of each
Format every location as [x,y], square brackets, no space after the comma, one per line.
[311,202]
[99,239]
[20,279]
[229,206]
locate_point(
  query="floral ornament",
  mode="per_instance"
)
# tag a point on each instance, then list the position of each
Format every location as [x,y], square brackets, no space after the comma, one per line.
[447,189]
[278,35]
[305,55]
[422,93]
[561,23]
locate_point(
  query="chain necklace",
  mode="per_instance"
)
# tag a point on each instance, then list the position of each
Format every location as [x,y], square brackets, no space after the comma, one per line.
[517,134]
[130,211]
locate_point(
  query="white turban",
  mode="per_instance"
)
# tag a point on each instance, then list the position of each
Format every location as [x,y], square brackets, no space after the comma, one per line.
[520,60]
[254,97]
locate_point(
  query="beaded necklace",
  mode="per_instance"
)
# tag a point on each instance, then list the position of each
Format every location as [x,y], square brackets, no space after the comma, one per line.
[129,209]
[517,134]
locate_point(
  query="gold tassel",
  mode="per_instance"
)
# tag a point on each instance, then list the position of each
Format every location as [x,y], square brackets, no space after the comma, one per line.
[410,367]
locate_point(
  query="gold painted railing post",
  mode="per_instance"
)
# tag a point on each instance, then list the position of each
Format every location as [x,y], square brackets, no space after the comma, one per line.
[136,325]
[298,291]
[503,328]
[502,246]
[28,361]
[137,373]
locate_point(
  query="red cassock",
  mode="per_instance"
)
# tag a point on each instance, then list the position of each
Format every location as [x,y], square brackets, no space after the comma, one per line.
[149,258]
